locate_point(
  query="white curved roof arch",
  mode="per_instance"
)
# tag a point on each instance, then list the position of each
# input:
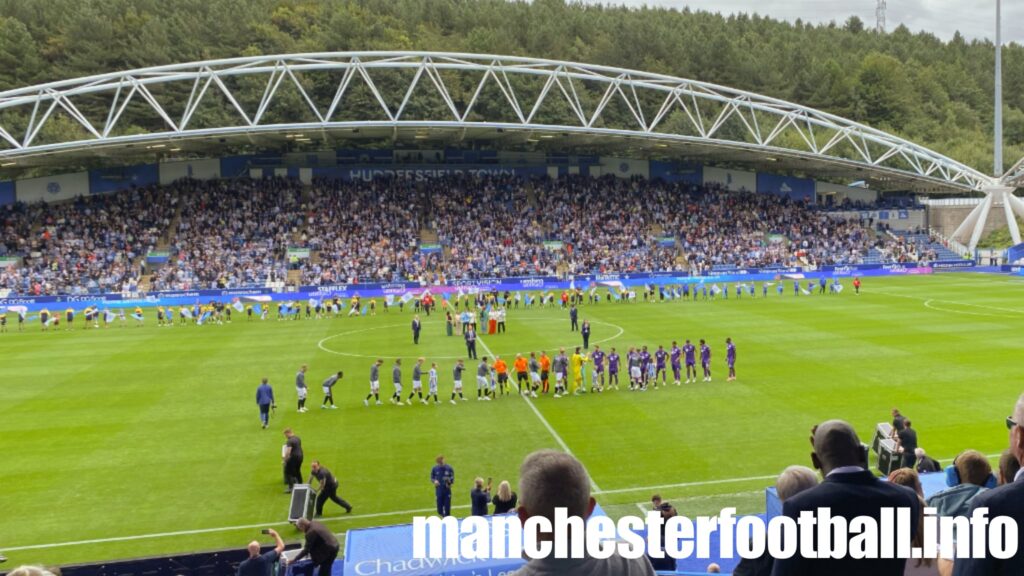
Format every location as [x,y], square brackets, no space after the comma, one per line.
[457,97]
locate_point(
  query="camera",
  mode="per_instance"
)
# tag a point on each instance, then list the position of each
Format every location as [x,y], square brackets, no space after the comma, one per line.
[265,531]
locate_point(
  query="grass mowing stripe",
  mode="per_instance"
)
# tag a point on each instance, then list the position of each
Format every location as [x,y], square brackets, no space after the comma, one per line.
[593,485]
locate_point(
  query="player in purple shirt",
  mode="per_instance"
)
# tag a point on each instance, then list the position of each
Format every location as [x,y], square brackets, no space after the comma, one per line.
[689,350]
[613,369]
[645,364]
[675,359]
[730,358]
[705,360]
[597,357]
[660,355]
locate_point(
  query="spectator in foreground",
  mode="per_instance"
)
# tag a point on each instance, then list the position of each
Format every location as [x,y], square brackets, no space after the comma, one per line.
[909,478]
[479,496]
[666,563]
[850,490]
[262,564]
[792,481]
[925,463]
[549,480]
[971,474]
[505,500]
[1008,467]
[922,566]
[1007,500]
[321,546]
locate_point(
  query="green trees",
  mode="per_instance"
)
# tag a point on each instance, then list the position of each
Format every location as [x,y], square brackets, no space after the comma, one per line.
[933,92]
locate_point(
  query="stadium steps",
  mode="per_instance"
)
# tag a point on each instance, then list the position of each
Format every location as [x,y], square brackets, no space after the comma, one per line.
[428,236]
[294,277]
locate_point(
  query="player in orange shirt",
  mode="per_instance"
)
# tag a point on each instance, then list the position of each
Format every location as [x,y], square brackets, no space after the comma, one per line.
[501,369]
[545,369]
[522,378]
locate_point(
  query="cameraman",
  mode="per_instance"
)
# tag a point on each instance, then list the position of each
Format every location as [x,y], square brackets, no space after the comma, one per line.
[443,476]
[261,564]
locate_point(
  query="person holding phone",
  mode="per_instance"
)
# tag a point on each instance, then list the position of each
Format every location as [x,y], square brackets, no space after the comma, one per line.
[262,564]
[479,497]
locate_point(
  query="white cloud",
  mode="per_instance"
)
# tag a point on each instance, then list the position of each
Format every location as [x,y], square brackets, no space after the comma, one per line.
[975,19]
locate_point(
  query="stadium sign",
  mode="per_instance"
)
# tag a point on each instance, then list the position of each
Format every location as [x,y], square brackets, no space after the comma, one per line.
[953,264]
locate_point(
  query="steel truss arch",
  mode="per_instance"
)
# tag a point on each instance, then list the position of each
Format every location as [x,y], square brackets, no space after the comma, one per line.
[161,103]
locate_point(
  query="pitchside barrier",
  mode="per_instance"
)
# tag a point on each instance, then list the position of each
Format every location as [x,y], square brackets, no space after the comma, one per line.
[533,286]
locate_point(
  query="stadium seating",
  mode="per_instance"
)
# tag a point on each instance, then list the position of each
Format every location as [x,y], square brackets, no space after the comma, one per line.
[236,233]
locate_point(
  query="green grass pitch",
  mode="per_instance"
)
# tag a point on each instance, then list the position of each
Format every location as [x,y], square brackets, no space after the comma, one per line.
[147,440]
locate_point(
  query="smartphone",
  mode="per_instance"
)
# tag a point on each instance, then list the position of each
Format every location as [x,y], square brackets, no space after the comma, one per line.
[265,531]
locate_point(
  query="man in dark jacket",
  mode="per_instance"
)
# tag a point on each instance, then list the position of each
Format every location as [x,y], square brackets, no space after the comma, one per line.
[1006,500]
[850,490]
[321,546]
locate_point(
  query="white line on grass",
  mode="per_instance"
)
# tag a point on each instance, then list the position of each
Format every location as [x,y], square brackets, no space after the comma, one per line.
[221,529]
[395,513]
[593,485]
[928,300]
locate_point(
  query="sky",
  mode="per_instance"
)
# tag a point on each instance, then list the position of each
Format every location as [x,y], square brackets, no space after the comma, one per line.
[973,18]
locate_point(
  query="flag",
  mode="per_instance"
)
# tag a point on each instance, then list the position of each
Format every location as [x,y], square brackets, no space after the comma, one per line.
[715,289]
[108,316]
[445,296]
[459,293]
[839,288]
[806,293]
[365,308]
[21,310]
[137,316]
[389,299]
[51,320]
[527,300]
[258,309]
[186,313]
[406,297]
[572,284]
[238,306]
[313,303]
[203,318]
[501,300]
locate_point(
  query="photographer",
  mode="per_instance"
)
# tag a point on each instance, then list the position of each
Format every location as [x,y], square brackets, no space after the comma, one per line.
[262,564]
[479,497]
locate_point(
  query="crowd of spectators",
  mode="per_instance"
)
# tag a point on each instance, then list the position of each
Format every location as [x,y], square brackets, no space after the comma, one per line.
[236,233]
[90,244]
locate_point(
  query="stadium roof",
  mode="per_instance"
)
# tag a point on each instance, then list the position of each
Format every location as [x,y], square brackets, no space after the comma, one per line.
[427,99]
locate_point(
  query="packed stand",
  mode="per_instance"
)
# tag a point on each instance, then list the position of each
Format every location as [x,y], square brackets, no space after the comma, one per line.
[89,245]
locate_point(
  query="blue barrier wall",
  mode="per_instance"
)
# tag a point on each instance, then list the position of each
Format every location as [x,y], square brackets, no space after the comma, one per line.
[6,193]
[106,180]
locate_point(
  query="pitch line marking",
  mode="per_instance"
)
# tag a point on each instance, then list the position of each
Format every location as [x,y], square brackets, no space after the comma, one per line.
[928,304]
[595,489]
[956,302]
[375,515]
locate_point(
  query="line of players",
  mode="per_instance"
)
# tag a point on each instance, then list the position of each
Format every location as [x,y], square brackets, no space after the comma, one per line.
[533,373]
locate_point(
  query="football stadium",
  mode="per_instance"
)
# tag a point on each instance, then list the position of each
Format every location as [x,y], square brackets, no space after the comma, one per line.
[278,278]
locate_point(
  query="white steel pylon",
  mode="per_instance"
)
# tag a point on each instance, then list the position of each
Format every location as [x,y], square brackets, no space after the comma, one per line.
[996,196]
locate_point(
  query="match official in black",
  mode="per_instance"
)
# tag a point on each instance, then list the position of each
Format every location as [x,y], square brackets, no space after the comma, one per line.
[328,489]
[292,459]
[321,546]
[585,332]
[574,315]
[416,327]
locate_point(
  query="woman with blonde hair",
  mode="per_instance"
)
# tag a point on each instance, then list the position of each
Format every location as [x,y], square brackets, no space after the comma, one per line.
[505,500]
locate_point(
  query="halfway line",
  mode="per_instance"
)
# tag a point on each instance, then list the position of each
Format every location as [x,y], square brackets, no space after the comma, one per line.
[593,485]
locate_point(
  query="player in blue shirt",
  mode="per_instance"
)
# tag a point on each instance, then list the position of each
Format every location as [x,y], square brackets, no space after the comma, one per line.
[442,476]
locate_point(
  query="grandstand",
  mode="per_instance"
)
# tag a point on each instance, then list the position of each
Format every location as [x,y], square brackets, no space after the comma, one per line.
[489,197]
